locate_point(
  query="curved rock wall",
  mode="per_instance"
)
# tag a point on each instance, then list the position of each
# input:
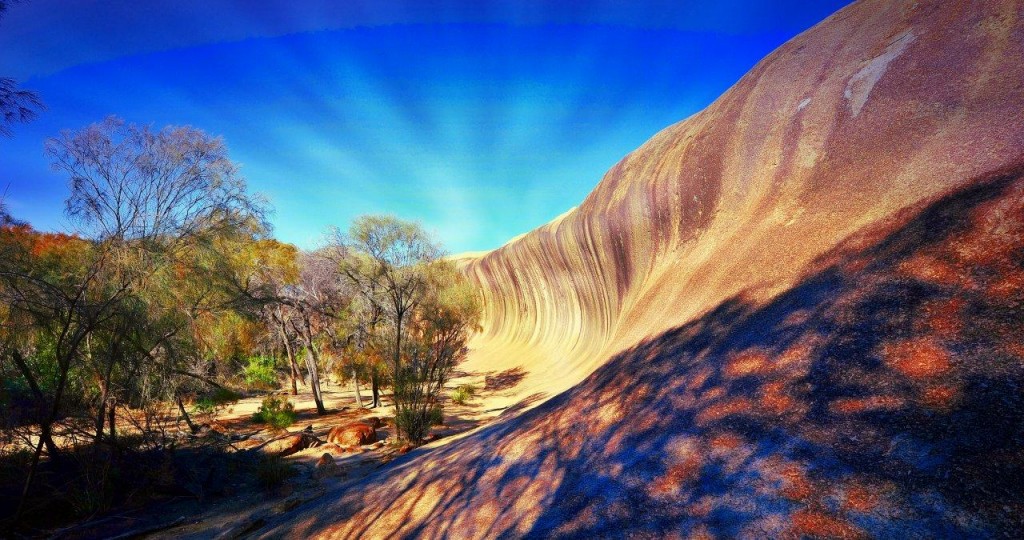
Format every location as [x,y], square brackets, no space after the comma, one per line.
[883,104]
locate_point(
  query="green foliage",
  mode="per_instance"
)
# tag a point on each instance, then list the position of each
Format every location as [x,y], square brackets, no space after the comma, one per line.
[462,394]
[276,412]
[435,416]
[415,423]
[209,403]
[272,471]
[260,373]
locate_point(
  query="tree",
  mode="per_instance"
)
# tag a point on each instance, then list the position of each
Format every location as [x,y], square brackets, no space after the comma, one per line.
[439,329]
[316,300]
[150,206]
[396,267]
[16,105]
[391,267]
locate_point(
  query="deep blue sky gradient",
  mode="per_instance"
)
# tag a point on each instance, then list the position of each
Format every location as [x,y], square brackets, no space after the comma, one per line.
[482,121]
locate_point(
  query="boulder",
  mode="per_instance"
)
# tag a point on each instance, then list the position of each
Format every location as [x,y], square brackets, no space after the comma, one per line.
[325,466]
[290,444]
[356,434]
[247,444]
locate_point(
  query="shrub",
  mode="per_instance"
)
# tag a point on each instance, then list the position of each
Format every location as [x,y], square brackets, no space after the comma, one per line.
[209,403]
[415,423]
[436,416]
[462,394]
[275,411]
[260,372]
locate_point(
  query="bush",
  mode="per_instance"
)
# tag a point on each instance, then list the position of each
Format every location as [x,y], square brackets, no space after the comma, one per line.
[275,411]
[436,416]
[462,394]
[208,404]
[272,471]
[415,423]
[260,372]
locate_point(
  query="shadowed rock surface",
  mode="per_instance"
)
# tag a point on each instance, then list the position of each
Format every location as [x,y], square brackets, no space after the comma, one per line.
[797,313]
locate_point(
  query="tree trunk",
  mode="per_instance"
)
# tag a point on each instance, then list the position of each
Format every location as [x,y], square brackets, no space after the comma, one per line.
[355,384]
[188,420]
[112,410]
[375,387]
[291,356]
[294,372]
[398,342]
[101,414]
[104,396]
[45,432]
[312,359]
[45,438]
[314,378]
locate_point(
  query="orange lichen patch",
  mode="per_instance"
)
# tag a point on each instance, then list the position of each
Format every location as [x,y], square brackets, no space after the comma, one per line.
[859,405]
[726,441]
[1008,287]
[930,268]
[821,525]
[721,410]
[678,475]
[797,318]
[610,414]
[860,498]
[857,265]
[943,318]
[701,508]
[701,532]
[750,362]
[699,379]
[794,354]
[916,358]
[1016,349]
[713,393]
[796,486]
[940,396]
[774,399]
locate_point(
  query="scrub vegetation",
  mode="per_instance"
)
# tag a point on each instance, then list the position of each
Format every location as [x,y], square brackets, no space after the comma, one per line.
[168,300]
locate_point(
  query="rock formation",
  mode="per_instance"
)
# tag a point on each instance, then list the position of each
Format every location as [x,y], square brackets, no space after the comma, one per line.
[796,313]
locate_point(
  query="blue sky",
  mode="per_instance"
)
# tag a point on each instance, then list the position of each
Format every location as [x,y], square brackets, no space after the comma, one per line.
[482,120]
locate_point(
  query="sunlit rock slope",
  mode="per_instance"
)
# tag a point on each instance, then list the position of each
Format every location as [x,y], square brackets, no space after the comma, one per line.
[884,104]
[799,312]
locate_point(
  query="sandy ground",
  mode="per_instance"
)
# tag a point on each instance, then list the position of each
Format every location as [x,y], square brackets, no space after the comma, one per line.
[230,516]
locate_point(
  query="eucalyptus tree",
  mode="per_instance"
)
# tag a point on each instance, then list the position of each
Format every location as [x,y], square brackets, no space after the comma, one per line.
[16,104]
[262,274]
[439,329]
[388,266]
[144,204]
[398,269]
[316,300]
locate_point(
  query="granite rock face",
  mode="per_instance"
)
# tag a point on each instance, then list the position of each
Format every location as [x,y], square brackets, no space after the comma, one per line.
[795,314]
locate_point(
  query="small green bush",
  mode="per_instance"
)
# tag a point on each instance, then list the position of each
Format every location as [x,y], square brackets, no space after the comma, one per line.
[272,471]
[275,411]
[209,403]
[462,394]
[436,416]
[260,372]
[415,424]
